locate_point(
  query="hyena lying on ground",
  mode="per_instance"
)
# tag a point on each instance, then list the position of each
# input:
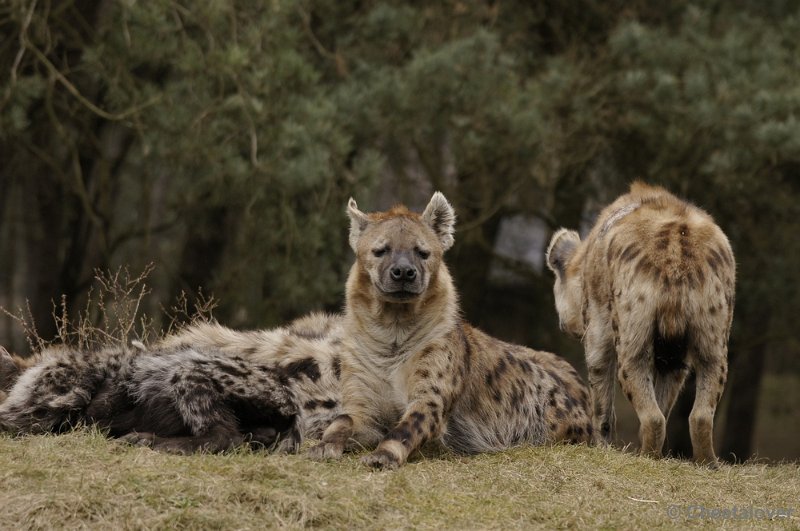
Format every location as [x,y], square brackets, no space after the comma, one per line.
[181,397]
[399,367]
[651,293]
[413,370]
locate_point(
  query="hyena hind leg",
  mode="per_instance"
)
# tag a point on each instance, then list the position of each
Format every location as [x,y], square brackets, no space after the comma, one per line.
[710,381]
[601,364]
[216,439]
[640,391]
[222,403]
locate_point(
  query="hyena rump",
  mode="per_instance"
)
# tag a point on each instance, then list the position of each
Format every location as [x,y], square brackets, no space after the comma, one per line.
[651,292]
[413,370]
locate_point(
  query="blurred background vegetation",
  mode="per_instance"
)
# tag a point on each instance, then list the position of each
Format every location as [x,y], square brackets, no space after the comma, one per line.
[219,141]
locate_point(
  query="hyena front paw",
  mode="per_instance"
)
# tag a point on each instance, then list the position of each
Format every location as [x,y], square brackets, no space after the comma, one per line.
[381,459]
[136,438]
[326,451]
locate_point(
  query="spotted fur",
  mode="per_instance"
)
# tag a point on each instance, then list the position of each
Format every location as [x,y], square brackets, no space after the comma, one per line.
[414,371]
[651,292]
[206,389]
[305,355]
[399,368]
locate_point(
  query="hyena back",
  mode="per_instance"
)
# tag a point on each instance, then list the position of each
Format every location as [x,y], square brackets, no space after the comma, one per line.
[413,370]
[651,292]
[305,355]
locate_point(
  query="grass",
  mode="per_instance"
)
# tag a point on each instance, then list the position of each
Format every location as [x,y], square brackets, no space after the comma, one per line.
[81,479]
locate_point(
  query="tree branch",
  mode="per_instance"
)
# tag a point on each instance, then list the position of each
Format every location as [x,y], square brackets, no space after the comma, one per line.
[114,117]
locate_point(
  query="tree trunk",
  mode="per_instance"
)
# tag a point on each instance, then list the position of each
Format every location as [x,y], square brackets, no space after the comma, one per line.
[203,249]
[471,260]
[744,386]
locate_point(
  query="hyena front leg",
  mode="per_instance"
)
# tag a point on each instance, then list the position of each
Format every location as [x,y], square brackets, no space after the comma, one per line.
[345,433]
[601,364]
[423,419]
[334,439]
[421,422]
[356,426]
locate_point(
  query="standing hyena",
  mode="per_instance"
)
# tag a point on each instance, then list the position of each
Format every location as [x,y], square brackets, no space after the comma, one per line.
[413,370]
[651,292]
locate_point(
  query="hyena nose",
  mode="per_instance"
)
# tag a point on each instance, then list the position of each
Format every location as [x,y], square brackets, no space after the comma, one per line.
[403,272]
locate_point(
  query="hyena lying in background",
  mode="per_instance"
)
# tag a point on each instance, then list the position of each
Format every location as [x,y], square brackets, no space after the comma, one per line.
[179,396]
[413,370]
[651,292]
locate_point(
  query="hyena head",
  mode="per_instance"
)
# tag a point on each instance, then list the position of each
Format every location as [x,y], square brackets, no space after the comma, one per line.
[568,286]
[402,251]
[11,367]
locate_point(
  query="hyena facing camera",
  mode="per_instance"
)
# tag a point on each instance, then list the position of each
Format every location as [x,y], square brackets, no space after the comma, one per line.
[413,370]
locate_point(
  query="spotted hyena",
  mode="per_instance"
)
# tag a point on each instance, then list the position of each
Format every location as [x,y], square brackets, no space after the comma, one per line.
[651,292]
[186,394]
[398,368]
[413,370]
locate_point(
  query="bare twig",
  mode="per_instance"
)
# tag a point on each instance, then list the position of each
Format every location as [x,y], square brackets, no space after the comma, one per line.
[26,322]
[72,89]
[26,22]
[335,57]
[182,313]
[113,313]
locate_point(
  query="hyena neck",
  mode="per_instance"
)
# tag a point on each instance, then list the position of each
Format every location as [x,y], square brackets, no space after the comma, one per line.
[400,327]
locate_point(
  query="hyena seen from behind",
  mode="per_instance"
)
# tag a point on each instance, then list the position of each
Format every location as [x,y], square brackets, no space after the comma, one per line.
[651,292]
[413,370]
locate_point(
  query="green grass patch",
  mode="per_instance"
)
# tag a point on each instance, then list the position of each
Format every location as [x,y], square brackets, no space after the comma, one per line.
[82,479]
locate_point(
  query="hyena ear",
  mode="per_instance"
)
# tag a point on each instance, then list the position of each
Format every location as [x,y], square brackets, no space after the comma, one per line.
[358,222]
[562,247]
[441,217]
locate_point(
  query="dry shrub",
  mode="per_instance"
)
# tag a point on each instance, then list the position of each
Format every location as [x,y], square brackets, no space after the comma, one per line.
[113,314]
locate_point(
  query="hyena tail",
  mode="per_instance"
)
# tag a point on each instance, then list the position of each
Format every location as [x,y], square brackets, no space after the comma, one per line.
[670,336]
[669,350]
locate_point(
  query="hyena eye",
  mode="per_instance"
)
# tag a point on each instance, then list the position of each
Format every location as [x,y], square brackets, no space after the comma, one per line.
[423,254]
[379,252]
